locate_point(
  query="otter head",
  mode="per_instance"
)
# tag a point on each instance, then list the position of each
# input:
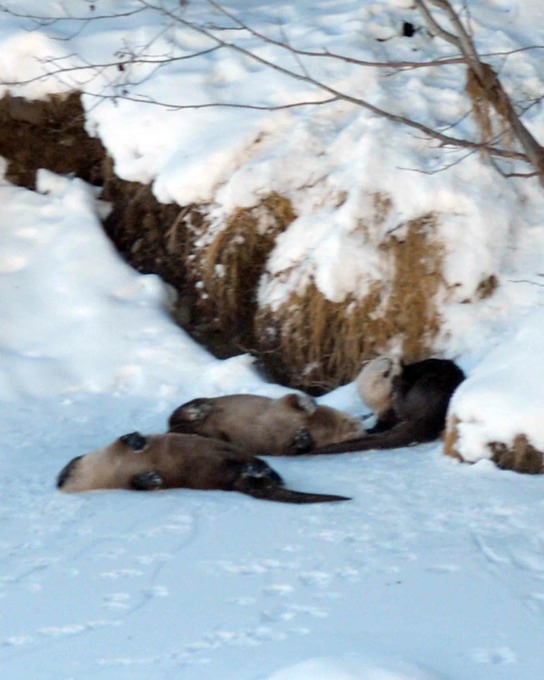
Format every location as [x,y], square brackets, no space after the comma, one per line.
[375,383]
[123,464]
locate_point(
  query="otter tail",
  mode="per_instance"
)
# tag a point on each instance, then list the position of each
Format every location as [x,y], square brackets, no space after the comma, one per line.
[259,480]
[403,434]
[282,495]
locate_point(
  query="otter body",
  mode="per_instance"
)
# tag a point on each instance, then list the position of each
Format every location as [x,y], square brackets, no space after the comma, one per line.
[420,395]
[152,462]
[294,424]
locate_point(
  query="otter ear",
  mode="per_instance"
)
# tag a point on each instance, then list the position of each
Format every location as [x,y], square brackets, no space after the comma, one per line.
[147,481]
[301,402]
[197,409]
[135,440]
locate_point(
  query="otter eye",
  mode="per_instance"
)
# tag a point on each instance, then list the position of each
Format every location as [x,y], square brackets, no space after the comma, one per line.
[387,373]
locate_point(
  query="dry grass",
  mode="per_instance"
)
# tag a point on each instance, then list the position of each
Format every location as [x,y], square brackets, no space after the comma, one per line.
[317,344]
[450,438]
[490,104]
[519,455]
[228,265]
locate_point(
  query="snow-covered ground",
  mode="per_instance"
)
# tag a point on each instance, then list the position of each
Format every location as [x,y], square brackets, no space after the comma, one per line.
[435,569]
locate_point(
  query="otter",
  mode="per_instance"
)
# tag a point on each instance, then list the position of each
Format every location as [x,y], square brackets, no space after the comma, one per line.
[420,395]
[293,424]
[165,461]
[375,387]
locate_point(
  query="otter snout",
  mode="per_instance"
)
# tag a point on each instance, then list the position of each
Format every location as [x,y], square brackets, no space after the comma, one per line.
[67,471]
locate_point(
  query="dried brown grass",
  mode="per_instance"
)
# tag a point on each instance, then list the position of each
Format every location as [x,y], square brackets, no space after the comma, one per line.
[227,267]
[317,344]
[519,455]
[490,104]
[450,438]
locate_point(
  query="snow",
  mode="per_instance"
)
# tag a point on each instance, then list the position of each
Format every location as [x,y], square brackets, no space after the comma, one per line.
[435,569]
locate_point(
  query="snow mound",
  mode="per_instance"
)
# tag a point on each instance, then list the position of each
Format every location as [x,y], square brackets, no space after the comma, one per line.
[78,319]
[353,668]
[502,399]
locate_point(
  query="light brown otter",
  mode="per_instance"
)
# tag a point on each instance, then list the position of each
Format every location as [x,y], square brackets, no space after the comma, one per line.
[375,387]
[147,463]
[291,425]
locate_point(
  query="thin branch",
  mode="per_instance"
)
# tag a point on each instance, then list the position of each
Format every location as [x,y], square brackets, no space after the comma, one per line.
[144,99]
[403,120]
[119,64]
[488,81]
[67,17]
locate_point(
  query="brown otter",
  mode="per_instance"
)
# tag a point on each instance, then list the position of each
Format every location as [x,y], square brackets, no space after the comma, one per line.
[293,424]
[147,463]
[420,396]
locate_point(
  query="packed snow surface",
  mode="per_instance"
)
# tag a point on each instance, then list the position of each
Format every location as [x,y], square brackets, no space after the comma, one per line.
[435,569]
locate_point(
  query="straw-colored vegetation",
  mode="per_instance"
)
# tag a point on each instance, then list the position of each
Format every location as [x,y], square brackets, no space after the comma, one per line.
[317,344]
[490,104]
[519,455]
[227,266]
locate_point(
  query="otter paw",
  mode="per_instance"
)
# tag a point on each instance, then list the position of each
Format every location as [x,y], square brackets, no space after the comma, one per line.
[147,481]
[302,442]
[257,469]
[196,410]
[135,440]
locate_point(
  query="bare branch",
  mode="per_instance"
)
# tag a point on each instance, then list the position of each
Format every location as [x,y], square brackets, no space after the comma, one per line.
[69,17]
[487,80]
[143,99]
[456,34]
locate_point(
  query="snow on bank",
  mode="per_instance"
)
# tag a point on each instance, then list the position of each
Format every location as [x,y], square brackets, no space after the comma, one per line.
[76,319]
[503,397]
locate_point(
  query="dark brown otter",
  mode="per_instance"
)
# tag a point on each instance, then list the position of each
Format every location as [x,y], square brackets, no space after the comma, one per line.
[291,425]
[421,393]
[147,463]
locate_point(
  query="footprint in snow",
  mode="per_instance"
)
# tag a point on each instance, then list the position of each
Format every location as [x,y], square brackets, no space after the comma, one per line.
[121,573]
[496,656]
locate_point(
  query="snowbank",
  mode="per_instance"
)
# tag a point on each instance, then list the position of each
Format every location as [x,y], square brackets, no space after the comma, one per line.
[353,668]
[502,399]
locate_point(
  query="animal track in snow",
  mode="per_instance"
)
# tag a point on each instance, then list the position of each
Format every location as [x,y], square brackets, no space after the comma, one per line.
[257,567]
[17,640]
[74,628]
[121,573]
[10,264]
[279,589]
[318,579]
[291,611]
[496,656]
[116,601]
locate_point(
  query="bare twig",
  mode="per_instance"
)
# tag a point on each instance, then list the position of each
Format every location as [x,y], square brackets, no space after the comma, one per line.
[455,32]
